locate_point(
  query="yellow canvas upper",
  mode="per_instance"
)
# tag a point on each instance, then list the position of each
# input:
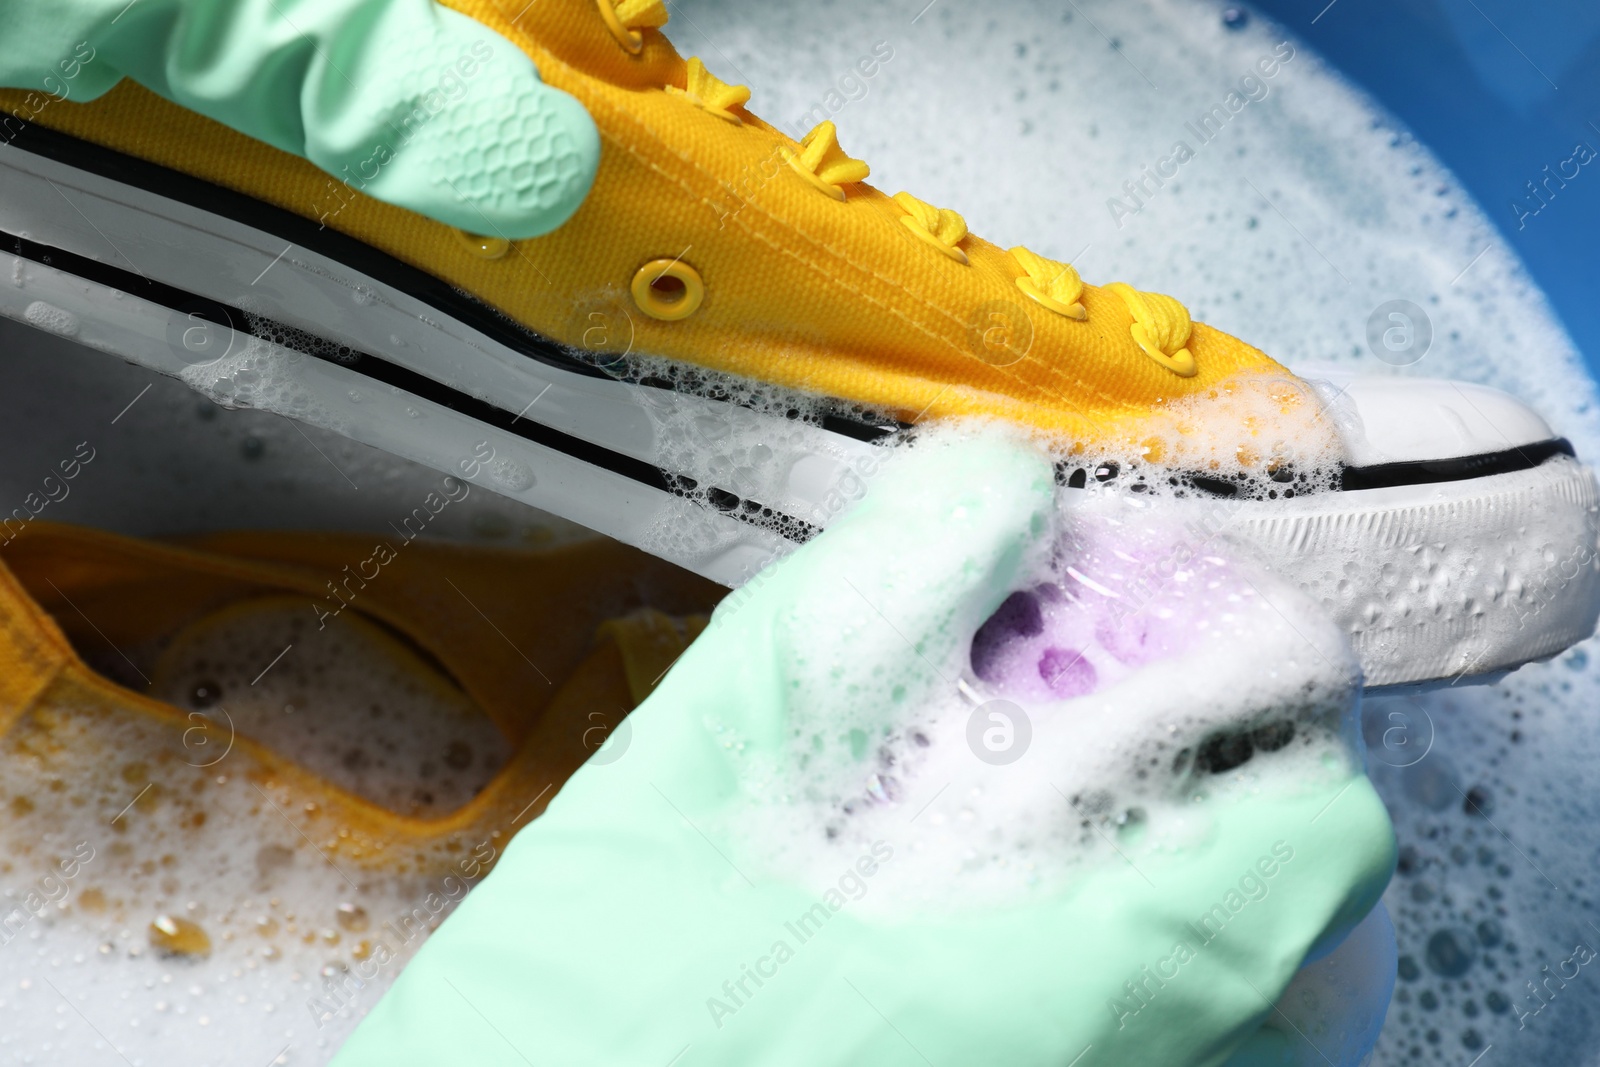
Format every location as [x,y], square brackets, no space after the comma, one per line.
[812,279]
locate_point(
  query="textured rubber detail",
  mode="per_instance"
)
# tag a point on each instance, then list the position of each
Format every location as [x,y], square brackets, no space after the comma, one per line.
[1464,578]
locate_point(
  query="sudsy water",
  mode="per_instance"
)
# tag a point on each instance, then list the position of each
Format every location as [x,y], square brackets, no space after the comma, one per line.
[1289,226]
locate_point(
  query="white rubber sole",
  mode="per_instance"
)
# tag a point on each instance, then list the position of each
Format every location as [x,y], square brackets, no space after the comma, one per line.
[1433,582]
[1436,583]
[577,444]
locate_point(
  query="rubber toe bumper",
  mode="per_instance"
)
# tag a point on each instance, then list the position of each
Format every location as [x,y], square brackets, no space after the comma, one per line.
[1436,582]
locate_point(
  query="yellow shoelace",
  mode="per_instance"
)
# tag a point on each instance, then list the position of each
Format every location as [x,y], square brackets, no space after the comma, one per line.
[1053,285]
[939,227]
[824,164]
[711,94]
[1161,325]
[626,19]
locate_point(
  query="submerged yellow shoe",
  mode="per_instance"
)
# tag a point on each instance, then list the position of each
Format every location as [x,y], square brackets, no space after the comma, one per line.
[262,656]
[708,358]
[291,822]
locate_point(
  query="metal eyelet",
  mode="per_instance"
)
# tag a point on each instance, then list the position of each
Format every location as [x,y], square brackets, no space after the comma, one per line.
[632,40]
[668,289]
[484,247]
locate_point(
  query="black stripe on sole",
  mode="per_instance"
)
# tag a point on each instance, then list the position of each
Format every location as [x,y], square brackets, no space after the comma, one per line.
[361,257]
[1460,469]
[409,381]
[357,255]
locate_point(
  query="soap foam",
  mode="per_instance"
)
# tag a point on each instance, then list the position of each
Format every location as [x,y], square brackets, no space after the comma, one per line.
[745,447]
[1136,679]
[207,878]
[206,919]
[343,699]
[259,373]
[1254,436]
[1021,117]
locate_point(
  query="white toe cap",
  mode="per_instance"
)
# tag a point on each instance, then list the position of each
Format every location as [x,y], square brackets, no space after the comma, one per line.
[1395,420]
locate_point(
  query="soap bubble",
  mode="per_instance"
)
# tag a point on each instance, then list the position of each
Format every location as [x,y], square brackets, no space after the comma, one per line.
[1450,952]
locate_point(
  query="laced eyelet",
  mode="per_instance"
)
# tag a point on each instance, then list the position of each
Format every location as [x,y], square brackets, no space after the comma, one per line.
[1051,284]
[927,238]
[632,40]
[1161,328]
[483,247]
[710,93]
[1180,362]
[940,228]
[1034,293]
[668,289]
[822,162]
[818,183]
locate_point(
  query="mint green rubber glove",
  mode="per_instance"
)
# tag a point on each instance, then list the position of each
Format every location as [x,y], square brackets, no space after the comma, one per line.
[653,914]
[408,101]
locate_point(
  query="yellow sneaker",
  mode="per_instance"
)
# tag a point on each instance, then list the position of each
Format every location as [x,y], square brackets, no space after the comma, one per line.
[198,790]
[709,358]
[203,653]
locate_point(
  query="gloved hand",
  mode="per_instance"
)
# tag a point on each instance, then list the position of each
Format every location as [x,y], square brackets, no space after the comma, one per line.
[406,100]
[704,899]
